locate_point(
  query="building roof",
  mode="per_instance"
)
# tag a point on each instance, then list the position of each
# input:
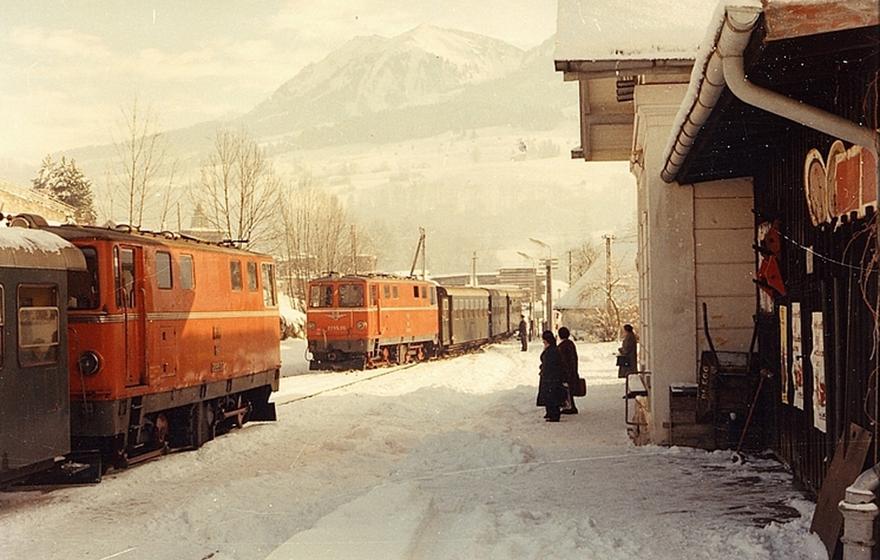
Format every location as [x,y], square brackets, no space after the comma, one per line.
[795,34]
[16,199]
[625,30]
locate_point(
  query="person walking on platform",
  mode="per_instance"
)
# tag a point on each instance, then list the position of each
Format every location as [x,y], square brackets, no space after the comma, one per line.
[551,393]
[523,333]
[568,355]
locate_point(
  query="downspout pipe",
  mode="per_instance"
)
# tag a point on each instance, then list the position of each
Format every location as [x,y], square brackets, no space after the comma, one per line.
[723,67]
[859,511]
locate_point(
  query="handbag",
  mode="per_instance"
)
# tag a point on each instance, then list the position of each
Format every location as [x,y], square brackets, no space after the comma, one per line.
[580,388]
[622,361]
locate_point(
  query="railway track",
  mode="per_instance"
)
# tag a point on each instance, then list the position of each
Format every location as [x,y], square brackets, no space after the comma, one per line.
[372,375]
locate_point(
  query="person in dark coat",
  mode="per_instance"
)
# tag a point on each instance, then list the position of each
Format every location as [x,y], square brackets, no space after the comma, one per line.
[568,355]
[626,354]
[523,333]
[551,393]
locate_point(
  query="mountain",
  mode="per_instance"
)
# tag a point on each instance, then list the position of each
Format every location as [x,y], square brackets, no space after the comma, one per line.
[418,84]
[370,75]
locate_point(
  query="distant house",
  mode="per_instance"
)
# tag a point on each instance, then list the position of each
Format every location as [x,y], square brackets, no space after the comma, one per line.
[21,200]
[585,307]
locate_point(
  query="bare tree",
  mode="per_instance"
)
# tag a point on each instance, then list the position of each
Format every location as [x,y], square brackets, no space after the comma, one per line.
[141,154]
[582,258]
[239,191]
[315,235]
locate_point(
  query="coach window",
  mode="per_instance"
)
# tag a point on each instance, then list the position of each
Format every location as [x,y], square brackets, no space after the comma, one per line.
[235,274]
[82,285]
[187,276]
[270,298]
[351,295]
[163,270]
[321,296]
[37,325]
[252,276]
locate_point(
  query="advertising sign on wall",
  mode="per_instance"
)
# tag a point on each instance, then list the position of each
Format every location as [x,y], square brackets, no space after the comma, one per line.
[817,359]
[783,353]
[797,357]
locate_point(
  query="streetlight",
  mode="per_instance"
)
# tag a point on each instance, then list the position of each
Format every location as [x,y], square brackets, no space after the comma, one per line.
[534,289]
[548,308]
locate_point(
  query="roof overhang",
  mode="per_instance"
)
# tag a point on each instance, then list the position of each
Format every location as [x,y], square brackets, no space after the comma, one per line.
[727,120]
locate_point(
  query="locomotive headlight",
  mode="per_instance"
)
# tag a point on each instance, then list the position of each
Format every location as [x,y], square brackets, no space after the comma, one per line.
[311,325]
[361,325]
[89,363]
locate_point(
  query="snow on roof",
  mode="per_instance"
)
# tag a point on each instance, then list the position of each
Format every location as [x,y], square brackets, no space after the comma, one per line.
[630,29]
[34,248]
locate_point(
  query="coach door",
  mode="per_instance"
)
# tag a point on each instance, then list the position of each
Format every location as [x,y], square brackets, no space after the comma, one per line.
[129,267]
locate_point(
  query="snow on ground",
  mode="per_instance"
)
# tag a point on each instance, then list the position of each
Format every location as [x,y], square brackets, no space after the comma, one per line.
[448,459]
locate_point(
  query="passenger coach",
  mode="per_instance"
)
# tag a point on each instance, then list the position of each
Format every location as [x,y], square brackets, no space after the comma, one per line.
[34,398]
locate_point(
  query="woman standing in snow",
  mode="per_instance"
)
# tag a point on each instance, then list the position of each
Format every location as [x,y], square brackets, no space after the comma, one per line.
[551,393]
[626,354]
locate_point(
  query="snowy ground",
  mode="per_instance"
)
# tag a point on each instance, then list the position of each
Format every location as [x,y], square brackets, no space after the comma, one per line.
[448,459]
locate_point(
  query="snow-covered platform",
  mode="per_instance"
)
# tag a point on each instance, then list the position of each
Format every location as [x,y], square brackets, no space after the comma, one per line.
[447,459]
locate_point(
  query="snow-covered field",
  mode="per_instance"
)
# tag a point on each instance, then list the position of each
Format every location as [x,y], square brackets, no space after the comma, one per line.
[448,459]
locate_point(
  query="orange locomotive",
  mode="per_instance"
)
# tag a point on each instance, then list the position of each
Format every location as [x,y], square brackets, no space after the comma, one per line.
[365,321]
[170,340]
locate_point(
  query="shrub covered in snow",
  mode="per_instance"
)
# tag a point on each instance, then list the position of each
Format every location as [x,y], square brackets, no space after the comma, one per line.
[293,321]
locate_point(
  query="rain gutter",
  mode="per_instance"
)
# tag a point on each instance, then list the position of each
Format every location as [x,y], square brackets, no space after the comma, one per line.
[723,67]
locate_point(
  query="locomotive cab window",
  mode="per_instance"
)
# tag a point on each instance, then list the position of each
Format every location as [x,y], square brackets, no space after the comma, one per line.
[416,292]
[123,266]
[82,285]
[235,275]
[394,292]
[252,276]
[374,295]
[38,338]
[187,276]
[163,270]
[270,298]
[351,295]
[321,296]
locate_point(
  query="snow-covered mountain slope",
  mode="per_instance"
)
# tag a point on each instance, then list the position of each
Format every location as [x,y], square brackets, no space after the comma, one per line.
[375,74]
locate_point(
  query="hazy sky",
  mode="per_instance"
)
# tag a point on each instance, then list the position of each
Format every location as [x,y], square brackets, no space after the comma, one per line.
[67,67]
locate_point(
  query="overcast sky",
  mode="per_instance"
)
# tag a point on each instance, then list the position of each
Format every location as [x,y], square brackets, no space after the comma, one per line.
[67,67]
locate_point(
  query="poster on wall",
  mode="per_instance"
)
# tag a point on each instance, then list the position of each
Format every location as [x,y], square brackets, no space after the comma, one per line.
[817,359]
[797,358]
[783,352]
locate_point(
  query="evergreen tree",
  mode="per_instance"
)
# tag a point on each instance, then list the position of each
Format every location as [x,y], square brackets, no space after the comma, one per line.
[64,182]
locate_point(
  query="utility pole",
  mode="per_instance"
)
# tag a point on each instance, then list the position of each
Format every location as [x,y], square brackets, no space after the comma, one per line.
[354,253]
[608,308]
[569,268]
[424,253]
[549,310]
[474,269]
